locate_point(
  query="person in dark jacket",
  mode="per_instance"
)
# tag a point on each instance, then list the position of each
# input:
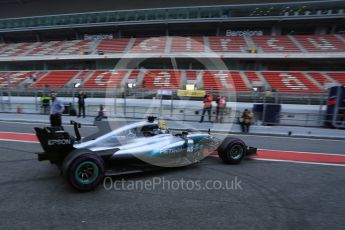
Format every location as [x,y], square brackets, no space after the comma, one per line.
[81,103]
[246,120]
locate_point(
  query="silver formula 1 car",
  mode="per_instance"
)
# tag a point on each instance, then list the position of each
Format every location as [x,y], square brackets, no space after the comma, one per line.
[136,147]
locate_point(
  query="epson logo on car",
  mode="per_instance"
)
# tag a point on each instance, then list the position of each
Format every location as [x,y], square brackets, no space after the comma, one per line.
[59,142]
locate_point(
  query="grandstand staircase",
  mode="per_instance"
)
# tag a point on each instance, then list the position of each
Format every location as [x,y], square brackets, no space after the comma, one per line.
[324,80]
[341,38]
[77,78]
[130,45]
[313,80]
[55,79]
[168,45]
[87,76]
[93,48]
[250,45]
[338,76]
[39,75]
[245,80]
[207,45]
[31,48]
[199,82]
[299,45]
[183,79]
[266,84]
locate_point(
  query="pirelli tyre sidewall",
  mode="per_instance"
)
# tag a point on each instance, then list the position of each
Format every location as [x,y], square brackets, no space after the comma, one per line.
[84,170]
[232,150]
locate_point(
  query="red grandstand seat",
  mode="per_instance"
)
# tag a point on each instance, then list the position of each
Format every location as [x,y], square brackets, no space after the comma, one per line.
[227,44]
[321,43]
[187,44]
[55,79]
[82,75]
[275,44]
[223,81]
[320,77]
[154,44]
[338,76]
[191,75]
[14,78]
[113,45]
[134,75]
[45,48]
[253,78]
[162,79]
[102,79]
[16,49]
[75,47]
[290,82]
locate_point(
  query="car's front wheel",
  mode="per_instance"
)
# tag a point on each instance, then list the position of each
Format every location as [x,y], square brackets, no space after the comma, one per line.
[232,150]
[85,172]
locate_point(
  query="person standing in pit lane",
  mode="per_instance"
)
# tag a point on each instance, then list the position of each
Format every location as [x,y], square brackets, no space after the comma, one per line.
[81,103]
[221,104]
[56,109]
[208,98]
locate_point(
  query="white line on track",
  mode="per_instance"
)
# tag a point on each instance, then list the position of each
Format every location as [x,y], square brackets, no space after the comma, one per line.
[285,137]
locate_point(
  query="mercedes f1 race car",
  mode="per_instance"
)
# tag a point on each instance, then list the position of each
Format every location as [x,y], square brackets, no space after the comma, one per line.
[132,148]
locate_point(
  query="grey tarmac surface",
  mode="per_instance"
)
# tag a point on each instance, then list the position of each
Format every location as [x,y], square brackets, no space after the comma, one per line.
[271,195]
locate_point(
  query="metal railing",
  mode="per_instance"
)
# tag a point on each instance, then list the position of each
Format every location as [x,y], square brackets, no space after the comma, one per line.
[140,93]
[166,111]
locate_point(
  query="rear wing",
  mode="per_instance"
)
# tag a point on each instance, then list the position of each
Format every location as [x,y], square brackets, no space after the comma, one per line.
[54,139]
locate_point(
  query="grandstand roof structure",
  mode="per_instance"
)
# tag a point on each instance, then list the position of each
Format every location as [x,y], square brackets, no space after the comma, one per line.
[28,19]
[46,7]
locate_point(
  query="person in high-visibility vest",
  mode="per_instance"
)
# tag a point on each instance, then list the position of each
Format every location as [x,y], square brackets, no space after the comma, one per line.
[207,107]
[221,104]
[45,104]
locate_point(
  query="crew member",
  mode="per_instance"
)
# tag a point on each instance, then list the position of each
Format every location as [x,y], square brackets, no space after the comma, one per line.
[207,107]
[81,103]
[221,104]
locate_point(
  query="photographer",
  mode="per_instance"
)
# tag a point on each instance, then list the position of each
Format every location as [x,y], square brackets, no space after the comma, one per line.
[246,120]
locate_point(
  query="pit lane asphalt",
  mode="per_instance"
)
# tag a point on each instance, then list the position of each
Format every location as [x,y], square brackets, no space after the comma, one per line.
[273,195]
[316,145]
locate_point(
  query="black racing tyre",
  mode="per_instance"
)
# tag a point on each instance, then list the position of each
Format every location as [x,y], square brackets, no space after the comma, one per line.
[85,172]
[232,150]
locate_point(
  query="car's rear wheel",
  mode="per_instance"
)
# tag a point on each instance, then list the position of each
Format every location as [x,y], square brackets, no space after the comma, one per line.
[232,150]
[85,172]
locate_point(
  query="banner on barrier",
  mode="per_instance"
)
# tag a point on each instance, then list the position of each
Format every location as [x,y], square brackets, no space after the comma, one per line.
[191,93]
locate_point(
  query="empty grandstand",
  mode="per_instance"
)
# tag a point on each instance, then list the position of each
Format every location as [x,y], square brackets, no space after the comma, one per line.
[290,48]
